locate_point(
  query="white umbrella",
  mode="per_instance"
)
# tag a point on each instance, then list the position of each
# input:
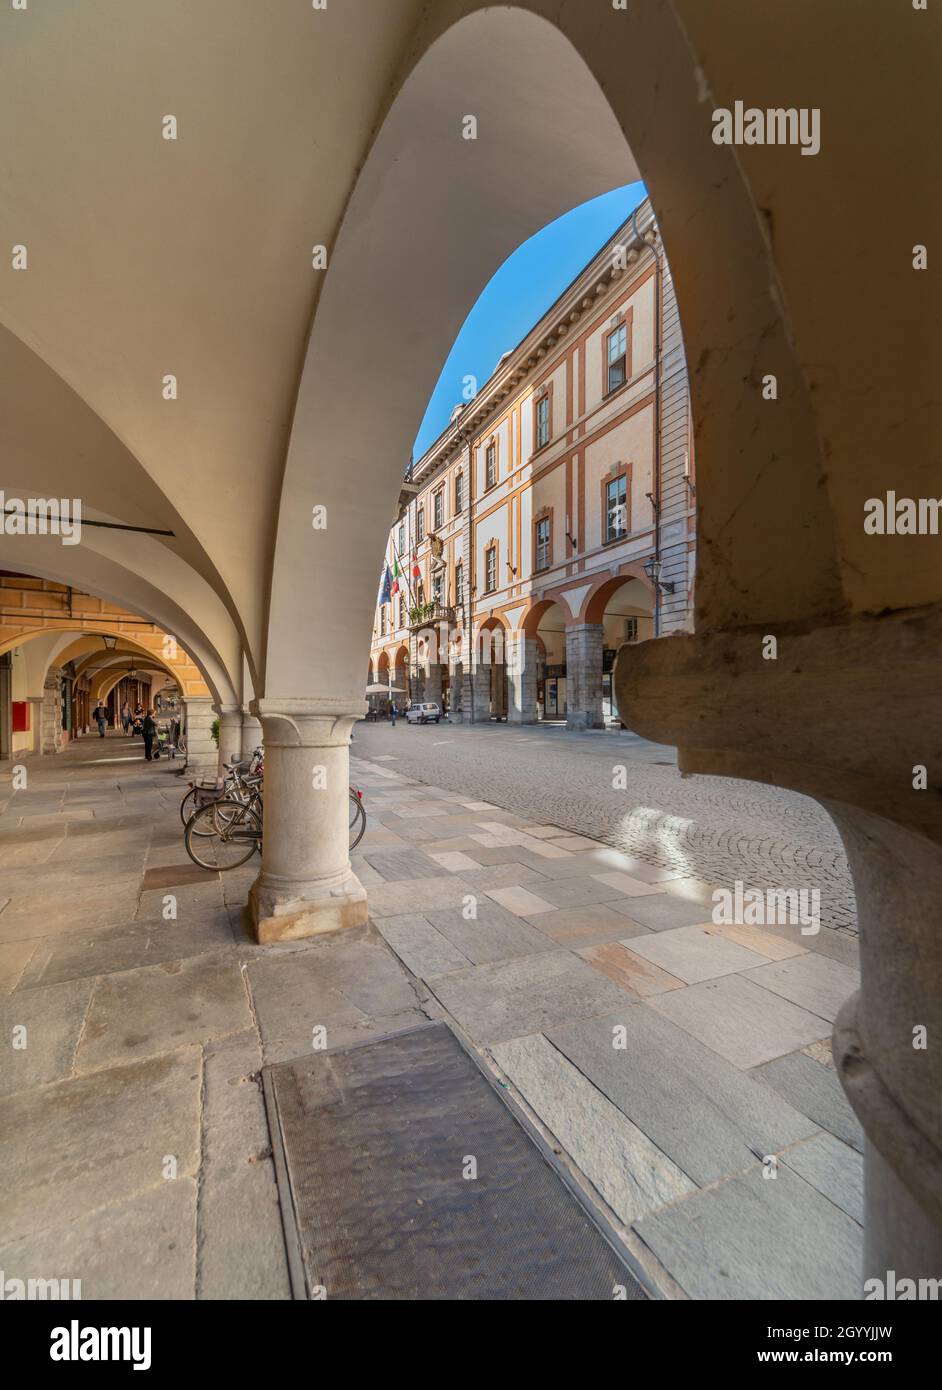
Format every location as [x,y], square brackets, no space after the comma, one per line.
[384,690]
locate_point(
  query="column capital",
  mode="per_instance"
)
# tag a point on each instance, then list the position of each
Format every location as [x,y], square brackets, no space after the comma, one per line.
[307,722]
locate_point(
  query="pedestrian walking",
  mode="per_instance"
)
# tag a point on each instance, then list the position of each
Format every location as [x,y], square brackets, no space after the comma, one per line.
[149,730]
[392,716]
[100,716]
[126,718]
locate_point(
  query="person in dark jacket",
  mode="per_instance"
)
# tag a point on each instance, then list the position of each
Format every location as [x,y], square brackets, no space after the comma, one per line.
[149,731]
[100,716]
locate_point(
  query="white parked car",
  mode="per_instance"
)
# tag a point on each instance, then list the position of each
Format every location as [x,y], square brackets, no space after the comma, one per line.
[423,714]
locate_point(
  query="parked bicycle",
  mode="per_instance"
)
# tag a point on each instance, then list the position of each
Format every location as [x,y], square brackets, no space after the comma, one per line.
[225,832]
[233,787]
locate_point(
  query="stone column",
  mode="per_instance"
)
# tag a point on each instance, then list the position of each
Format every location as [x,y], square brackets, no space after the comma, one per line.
[202,759]
[50,729]
[480,690]
[433,684]
[306,886]
[886,1041]
[461,681]
[584,676]
[251,733]
[230,736]
[521,679]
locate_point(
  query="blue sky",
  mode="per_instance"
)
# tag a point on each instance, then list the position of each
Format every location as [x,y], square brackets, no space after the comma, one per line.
[519,294]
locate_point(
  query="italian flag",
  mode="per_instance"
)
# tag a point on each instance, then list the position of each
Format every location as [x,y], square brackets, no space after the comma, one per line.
[397,574]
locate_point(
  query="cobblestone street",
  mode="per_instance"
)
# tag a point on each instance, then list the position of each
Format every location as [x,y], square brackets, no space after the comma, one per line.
[711,828]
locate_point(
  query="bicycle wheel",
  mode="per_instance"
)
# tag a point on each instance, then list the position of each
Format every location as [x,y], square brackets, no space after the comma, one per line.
[357,820]
[189,804]
[195,799]
[224,842]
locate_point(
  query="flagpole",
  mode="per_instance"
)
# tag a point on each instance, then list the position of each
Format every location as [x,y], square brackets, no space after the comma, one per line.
[405,574]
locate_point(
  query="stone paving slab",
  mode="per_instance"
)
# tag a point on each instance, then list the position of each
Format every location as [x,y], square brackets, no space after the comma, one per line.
[758,1238]
[693,890]
[96,869]
[242,1247]
[493,934]
[632,1174]
[53,1020]
[47,914]
[764,943]
[241,1242]
[340,983]
[692,954]
[813,1088]
[14,959]
[735,1018]
[158,1008]
[91,1141]
[584,926]
[176,873]
[188,896]
[488,876]
[421,895]
[704,1113]
[141,1248]
[27,855]
[834,1169]
[454,861]
[421,948]
[522,902]
[404,864]
[814,982]
[626,885]
[661,912]
[527,995]
[577,892]
[125,948]
[639,977]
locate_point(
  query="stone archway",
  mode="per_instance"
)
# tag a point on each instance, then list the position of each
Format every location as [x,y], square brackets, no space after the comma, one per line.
[618,610]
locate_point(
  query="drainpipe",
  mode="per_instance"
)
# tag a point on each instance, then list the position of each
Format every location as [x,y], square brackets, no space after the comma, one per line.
[657,439]
[467,438]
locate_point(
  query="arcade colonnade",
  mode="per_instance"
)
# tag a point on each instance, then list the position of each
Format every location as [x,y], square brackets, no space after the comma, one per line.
[231,349]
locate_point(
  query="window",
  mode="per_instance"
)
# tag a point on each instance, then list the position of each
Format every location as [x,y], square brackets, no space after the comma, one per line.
[459,493]
[616,508]
[459,584]
[439,504]
[438,587]
[543,543]
[542,421]
[402,537]
[382,620]
[490,465]
[490,569]
[617,358]
[420,525]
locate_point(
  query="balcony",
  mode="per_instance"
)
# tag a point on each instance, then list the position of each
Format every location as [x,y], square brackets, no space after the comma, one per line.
[429,615]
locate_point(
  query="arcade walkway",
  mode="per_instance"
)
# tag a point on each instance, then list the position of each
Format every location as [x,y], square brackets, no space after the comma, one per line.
[135,1121]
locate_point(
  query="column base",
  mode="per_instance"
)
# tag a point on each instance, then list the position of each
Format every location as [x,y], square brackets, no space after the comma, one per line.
[578,720]
[280,915]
